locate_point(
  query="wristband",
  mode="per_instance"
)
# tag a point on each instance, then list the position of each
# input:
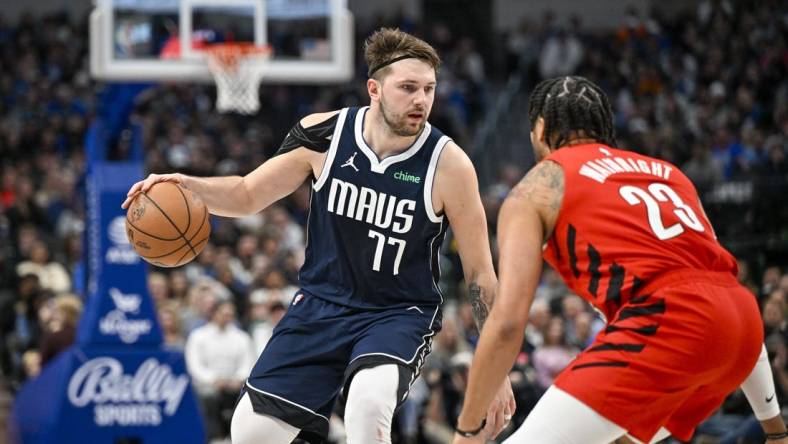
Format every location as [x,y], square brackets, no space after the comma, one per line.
[777,435]
[471,433]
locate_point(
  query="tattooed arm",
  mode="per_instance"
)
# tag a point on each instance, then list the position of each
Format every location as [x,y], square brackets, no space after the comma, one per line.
[481,308]
[457,192]
[526,219]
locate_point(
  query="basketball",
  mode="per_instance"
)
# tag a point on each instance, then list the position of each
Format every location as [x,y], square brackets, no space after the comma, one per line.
[168,225]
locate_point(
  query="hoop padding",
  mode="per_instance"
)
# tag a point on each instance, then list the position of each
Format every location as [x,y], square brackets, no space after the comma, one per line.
[237,69]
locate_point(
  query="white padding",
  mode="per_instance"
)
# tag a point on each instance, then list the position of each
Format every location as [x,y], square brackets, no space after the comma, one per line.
[248,427]
[560,418]
[759,389]
[371,401]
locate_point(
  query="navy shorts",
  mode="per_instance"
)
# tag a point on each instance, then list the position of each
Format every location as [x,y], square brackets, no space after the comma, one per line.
[318,346]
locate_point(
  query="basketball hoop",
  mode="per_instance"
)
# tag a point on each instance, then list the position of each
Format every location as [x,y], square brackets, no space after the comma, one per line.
[237,69]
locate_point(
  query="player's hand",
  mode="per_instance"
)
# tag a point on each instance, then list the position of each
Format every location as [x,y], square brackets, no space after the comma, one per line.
[499,415]
[144,185]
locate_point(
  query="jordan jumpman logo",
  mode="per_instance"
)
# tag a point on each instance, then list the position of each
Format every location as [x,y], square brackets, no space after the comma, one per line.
[350,163]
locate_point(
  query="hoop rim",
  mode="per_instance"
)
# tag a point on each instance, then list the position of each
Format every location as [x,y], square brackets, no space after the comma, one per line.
[228,54]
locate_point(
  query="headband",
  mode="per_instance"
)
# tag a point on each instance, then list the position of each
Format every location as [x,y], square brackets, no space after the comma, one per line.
[385,64]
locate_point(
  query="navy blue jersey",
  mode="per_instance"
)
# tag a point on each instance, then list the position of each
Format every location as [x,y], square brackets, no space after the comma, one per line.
[373,236]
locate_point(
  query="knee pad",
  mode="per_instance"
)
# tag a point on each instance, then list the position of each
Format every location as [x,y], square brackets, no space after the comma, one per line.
[248,427]
[371,401]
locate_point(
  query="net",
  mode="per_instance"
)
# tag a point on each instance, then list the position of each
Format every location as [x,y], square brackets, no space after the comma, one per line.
[237,69]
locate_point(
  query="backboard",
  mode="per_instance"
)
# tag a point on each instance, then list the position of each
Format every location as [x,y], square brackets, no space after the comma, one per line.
[163,40]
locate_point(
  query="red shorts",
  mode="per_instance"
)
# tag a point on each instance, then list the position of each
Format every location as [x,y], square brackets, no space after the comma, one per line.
[671,356]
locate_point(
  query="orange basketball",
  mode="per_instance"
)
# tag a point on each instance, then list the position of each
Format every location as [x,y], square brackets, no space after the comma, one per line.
[168,226]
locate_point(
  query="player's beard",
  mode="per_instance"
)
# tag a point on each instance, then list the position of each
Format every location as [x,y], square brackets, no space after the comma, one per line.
[398,124]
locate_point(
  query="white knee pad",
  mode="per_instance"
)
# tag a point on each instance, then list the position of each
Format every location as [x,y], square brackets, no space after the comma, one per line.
[248,427]
[370,406]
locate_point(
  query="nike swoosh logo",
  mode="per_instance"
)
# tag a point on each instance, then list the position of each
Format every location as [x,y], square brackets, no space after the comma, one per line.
[769,399]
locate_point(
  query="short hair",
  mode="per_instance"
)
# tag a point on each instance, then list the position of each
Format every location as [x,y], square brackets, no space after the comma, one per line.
[70,307]
[572,103]
[219,303]
[387,44]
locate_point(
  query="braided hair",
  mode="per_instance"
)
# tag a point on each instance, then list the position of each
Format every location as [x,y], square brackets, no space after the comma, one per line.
[572,104]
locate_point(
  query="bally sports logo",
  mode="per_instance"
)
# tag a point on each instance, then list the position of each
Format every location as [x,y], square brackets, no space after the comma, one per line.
[120,251]
[116,322]
[122,399]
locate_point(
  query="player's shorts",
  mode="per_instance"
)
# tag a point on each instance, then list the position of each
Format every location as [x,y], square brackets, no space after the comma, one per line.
[671,355]
[318,346]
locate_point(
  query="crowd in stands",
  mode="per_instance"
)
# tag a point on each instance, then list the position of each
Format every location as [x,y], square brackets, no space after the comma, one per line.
[46,104]
[707,90]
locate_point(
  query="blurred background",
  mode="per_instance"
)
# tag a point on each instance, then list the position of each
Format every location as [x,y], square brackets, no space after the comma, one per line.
[702,84]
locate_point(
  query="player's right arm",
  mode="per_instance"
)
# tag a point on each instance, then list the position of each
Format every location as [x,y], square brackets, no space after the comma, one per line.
[301,154]
[457,190]
[527,218]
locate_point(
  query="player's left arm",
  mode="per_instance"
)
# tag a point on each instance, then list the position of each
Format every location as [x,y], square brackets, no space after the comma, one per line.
[526,219]
[457,189]
[761,394]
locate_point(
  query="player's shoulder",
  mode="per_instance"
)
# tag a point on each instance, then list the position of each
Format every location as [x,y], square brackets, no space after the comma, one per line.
[314,119]
[313,132]
[454,160]
[548,173]
[455,178]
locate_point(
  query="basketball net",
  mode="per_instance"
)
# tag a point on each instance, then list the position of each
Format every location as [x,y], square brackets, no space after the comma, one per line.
[237,69]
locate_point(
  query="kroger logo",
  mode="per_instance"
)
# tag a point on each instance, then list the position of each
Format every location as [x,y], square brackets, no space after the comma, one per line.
[127,303]
[123,399]
[115,321]
[120,251]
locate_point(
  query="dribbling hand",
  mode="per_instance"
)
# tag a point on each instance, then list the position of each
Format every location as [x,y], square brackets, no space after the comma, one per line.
[144,185]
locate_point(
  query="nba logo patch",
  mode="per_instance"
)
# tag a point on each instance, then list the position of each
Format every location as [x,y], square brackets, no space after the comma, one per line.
[297,299]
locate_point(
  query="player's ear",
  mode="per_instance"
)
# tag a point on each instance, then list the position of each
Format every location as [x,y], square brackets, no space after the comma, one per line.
[539,129]
[373,88]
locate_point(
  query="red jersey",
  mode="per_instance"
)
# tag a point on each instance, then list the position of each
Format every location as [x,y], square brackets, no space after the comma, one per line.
[624,220]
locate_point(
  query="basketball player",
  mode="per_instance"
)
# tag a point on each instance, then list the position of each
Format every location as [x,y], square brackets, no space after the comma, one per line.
[628,234]
[385,185]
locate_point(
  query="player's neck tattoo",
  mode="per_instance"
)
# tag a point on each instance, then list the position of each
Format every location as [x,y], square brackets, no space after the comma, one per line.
[480,310]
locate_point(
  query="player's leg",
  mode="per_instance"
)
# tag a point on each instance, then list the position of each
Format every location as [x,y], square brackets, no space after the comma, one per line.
[371,402]
[663,433]
[248,427]
[547,423]
[298,375]
[390,347]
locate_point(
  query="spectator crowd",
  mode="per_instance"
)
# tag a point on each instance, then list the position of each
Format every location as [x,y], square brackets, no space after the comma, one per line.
[706,89]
